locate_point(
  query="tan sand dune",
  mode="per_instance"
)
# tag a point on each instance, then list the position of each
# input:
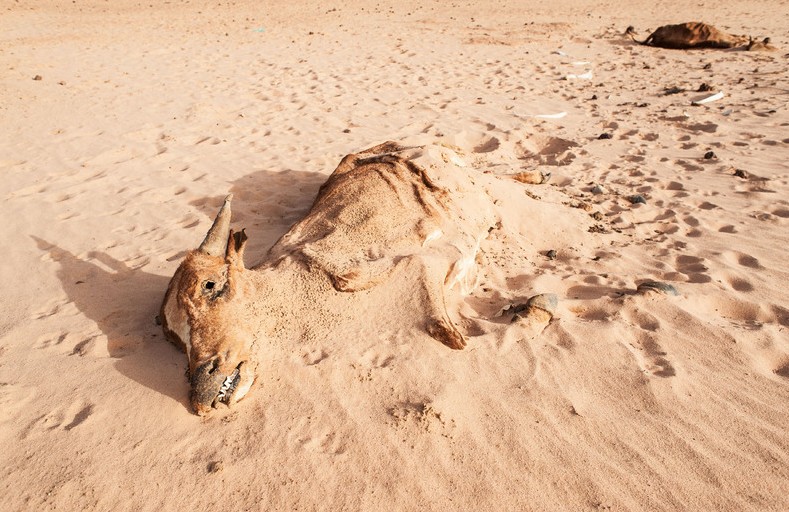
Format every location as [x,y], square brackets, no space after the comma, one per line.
[126,124]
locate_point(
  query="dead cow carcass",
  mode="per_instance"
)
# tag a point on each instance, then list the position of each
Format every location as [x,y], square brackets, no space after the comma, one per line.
[696,34]
[380,220]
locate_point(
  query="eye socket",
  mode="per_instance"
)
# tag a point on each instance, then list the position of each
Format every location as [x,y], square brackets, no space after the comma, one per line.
[209,285]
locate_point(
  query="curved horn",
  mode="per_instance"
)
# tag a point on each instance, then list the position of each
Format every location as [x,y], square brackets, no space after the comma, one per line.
[215,242]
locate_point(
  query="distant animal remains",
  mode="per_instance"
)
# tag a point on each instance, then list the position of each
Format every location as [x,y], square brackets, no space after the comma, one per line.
[686,36]
[380,222]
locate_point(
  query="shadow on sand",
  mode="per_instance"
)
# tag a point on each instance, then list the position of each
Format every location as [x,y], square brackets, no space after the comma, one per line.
[267,204]
[123,301]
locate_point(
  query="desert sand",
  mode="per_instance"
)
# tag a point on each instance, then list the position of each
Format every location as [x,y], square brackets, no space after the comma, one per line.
[125,124]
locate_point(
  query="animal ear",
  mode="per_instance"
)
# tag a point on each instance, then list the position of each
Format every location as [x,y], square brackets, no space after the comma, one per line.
[235,248]
[214,243]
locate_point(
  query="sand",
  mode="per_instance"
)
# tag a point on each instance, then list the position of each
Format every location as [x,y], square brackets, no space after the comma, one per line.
[124,126]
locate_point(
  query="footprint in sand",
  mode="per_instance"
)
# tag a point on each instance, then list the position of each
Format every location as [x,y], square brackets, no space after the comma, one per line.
[655,358]
[781,212]
[373,358]
[53,308]
[312,435]
[63,418]
[738,283]
[649,355]
[488,145]
[83,414]
[311,357]
[642,319]
[84,347]
[688,166]
[694,268]
[733,258]
[68,216]
[420,415]
[51,340]
[782,368]
[546,150]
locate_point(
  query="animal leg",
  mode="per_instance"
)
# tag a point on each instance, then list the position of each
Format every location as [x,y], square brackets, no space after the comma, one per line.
[431,276]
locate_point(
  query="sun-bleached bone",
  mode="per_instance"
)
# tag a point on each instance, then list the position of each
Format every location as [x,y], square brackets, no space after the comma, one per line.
[408,220]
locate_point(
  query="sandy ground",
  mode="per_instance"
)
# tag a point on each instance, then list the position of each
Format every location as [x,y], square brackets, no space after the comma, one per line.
[115,160]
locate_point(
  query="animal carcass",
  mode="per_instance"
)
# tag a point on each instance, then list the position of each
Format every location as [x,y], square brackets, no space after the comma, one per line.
[381,219]
[695,34]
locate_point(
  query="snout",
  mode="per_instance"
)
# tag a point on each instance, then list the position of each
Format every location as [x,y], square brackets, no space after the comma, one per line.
[214,383]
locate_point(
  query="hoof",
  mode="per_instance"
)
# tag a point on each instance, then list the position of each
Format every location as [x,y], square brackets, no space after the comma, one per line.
[658,287]
[442,331]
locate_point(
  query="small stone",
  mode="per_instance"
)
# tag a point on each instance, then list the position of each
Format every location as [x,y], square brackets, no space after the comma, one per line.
[532,177]
[704,88]
[38,77]
[542,304]
[551,255]
[740,173]
[709,155]
[596,216]
[216,466]
[638,198]
[604,136]
[708,65]
[598,189]
[547,302]
[672,90]
[657,286]
[594,96]
[347,130]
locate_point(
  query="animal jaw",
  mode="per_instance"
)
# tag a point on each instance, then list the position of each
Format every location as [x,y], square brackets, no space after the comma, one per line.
[211,386]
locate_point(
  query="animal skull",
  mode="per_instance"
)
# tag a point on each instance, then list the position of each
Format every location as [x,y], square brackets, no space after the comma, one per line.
[199,314]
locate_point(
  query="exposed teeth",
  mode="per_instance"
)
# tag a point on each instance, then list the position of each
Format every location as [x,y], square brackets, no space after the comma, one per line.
[227,385]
